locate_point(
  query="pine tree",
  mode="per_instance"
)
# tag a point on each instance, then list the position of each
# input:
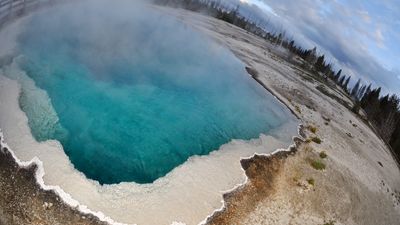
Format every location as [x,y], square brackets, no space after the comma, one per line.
[361,92]
[346,83]
[371,103]
[311,56]
[291,46]
[395,139]
[355,89]
[368,90]
[337,76]
[320,64]
[341,80]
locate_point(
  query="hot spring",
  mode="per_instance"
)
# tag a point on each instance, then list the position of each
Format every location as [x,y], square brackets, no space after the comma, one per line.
[131,95]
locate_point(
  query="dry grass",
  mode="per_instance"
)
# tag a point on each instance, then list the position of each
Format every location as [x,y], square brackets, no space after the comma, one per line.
[308,148]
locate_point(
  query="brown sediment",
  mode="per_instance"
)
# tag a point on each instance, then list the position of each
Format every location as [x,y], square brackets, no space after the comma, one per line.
[284,188]
[23,201]
[262,172]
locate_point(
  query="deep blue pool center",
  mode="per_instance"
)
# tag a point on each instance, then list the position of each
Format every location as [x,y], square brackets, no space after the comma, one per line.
[137,92]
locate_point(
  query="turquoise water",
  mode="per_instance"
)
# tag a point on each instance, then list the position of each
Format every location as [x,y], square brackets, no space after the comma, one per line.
[137,92]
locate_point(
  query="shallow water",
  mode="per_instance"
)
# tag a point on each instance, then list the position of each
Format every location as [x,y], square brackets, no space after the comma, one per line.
[133,94]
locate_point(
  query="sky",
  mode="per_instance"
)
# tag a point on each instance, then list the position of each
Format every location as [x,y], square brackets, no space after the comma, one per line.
[360,36]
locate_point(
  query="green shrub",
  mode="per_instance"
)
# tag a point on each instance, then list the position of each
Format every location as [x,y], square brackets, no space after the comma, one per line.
[316,140]
[313,129]
[323,155]
[311,181]
[318,165]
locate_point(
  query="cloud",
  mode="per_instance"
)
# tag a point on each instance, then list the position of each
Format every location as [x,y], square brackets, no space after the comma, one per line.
[364,15]
[355,35]
[379,38]
[262,5]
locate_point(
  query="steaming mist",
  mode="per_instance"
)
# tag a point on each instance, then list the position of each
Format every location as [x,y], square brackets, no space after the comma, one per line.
[123,94]
[136,92]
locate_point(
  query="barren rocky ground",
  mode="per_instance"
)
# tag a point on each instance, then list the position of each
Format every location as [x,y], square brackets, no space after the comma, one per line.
[356,181]
[23,202]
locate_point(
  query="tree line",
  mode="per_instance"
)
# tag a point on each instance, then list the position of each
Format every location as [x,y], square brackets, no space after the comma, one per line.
[382,111]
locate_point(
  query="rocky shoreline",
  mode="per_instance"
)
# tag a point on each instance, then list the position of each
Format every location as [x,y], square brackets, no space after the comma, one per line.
[262,172]
[23,201]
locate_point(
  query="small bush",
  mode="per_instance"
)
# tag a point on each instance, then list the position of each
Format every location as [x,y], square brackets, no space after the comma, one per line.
[311,181]
[318,165]
[313,129]
[323,155]
[316,140]
[308,148]
[330,223]
[298,109]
